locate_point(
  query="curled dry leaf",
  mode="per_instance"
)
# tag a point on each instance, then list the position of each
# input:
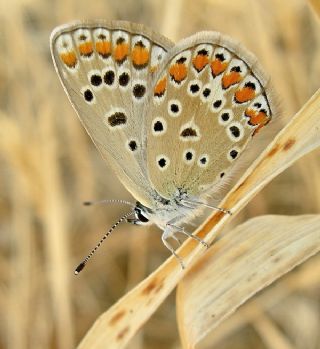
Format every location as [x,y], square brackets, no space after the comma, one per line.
[118,325]
[241,263]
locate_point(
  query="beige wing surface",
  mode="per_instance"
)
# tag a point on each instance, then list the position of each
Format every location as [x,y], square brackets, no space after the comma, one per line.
[107,69]
[210,98]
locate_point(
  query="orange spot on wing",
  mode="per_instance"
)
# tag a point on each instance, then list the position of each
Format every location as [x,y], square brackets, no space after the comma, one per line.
[230,79]
[217,67]
[200,61]
[140,56]
[86,49]
[103,48]
[257,118]
[178,72]
[69,59]
[160,88]
[121,52]
[244,95]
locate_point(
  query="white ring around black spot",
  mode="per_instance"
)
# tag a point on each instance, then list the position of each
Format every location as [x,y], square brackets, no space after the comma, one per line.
[123,78]
[132,145]
[217,104]
[159,126]
[163,162]
[109,78]
[206,93]
[188,156]
[203,160]
[139,90]
[88,95]
[225,116]
[116,119]
[233,153]
[95,79]
[235,131]
[194,88]
[174,108]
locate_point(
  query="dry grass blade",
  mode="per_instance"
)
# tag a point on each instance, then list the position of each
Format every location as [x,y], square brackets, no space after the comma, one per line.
[316,6]
[244,261]
[118,325]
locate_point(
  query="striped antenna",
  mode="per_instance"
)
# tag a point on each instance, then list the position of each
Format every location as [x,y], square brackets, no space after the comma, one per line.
[109,201]
[84,262]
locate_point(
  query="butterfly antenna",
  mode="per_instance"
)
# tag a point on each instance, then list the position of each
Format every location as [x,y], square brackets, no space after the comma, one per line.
[221,209]
[110,201]
[84,262]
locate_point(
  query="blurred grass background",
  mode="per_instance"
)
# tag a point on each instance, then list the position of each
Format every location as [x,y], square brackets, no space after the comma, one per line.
[49,166]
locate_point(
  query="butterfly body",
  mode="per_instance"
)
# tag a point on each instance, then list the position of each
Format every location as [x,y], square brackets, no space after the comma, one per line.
[170,120]
[167,211]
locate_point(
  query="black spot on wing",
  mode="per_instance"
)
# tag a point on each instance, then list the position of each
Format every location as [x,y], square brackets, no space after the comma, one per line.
[117,119]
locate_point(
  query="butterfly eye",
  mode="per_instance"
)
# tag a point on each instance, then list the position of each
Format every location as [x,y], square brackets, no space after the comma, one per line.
[140,216]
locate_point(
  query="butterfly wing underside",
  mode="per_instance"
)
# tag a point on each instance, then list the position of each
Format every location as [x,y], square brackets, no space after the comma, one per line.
[210,97]
[107,70]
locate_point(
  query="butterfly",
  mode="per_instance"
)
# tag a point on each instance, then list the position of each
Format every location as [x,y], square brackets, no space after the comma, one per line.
[171,120]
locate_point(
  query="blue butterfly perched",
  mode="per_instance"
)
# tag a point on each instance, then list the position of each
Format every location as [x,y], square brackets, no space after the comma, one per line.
[171,120]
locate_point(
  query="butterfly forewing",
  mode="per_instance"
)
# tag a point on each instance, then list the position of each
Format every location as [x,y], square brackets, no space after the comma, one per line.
[107,70]
[209,99]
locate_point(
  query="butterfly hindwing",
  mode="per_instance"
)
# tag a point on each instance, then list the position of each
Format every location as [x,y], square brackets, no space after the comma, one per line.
[107,70]
[209,99]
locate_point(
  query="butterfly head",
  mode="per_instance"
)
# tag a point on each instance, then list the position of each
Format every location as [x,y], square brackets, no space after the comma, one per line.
[142,215]
[164,211]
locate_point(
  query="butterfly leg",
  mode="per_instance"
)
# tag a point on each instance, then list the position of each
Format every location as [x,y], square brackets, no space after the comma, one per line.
[195,237]
[168,233]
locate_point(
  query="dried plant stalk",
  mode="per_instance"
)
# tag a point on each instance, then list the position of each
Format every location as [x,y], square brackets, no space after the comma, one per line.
[118,325]
[316,6]
[242,262]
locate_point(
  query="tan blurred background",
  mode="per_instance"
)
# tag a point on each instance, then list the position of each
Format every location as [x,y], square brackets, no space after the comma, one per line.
[49,166]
